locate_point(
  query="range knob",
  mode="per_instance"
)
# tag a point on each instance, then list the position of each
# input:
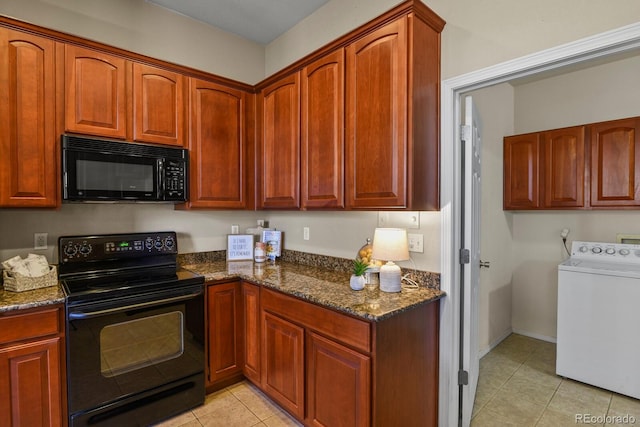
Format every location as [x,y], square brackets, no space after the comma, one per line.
[159,244]
[148,243]
[70,250]
[85,249]
[169,243]
[610,251]
[583,248]
[624,252]
[596,250]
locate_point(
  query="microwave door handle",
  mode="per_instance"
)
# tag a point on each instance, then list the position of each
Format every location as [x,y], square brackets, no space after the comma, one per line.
[160,180]
[79,315]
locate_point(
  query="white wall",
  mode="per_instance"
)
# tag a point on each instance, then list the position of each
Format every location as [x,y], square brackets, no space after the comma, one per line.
[478,33]
[147,29]
[605,92]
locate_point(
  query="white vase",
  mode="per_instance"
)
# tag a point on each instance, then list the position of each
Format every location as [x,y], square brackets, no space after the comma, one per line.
[357,282]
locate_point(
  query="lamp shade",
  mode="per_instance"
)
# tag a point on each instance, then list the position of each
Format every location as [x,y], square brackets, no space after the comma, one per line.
[390,244]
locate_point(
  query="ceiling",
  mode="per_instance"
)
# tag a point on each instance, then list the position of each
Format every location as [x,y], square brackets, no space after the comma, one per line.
[259,20]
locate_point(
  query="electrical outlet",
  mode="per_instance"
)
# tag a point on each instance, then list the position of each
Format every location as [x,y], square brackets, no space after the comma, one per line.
[416,243]
[235,229]
[40,240]
[305,233]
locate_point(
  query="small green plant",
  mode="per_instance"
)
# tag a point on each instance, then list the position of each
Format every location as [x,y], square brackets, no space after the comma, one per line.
[359,267]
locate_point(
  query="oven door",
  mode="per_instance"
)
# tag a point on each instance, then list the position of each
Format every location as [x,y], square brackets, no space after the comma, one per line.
[139,359]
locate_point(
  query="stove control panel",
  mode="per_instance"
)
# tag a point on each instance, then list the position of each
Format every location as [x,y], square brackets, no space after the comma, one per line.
[116,246]
[622,252]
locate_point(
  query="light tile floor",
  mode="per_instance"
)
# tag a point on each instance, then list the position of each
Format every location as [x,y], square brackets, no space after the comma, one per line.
[518,386]
[239,405]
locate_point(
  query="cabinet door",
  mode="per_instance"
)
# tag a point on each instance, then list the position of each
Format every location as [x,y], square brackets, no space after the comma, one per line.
[224,335]
[95,93]
[251,326]
[217,146]
[521,171]
[376,155]
[279,156]
[283,363]
[158,105]
[564,167]
[322,143]
[28,119]
[32,378]
[338,384]
[615,163]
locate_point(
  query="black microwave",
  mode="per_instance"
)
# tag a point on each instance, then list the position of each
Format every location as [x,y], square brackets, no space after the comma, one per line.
[101,170]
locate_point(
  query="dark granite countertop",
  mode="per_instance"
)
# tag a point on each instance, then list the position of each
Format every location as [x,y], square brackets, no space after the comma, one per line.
[10,301]
[322,286]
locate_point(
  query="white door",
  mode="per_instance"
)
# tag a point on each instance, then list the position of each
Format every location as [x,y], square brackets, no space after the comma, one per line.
[470,274]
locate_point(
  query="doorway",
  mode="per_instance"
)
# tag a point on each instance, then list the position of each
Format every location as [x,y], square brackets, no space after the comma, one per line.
[580,53]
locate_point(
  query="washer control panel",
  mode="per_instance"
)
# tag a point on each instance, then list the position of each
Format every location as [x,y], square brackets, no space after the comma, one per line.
[622,252]
[116,246]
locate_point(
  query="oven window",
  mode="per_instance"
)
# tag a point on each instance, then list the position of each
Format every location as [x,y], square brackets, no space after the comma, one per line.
[127,346]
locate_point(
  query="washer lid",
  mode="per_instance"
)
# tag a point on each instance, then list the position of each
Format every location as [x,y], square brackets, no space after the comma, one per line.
[620,269]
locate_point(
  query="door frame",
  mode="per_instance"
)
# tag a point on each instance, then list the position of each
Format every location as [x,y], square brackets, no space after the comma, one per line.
[618,41]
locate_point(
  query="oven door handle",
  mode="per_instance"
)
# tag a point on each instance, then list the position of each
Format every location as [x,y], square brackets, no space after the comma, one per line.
[79,315]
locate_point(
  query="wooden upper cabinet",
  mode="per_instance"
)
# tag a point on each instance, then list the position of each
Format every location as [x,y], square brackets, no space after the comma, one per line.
[376,168]
[615,163]
[522,171]
[279,153]
[564,167]
[217,146]
[95,88]
[28,120]
[322,139]
[158,105]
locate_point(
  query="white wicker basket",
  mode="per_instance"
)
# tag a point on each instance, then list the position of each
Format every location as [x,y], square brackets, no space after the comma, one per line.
[16,282]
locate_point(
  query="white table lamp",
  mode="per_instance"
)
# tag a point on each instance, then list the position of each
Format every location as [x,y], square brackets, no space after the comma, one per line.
[390,244]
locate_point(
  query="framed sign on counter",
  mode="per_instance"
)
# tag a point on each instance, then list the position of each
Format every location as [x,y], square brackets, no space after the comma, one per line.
[239,247]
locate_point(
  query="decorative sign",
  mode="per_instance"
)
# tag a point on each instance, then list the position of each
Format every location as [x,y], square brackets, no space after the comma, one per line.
[239,247]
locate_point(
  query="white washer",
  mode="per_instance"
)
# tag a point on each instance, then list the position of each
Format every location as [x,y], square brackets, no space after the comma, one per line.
[599,316]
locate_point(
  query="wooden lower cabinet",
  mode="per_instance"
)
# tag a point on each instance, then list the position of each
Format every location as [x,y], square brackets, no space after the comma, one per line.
[224,335]
[283,363]
[327,368]
[251,331]
[338,384]
[324,367]
[32,383]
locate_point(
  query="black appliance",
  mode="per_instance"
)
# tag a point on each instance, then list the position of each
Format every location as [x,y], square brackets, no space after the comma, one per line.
[134,329]
[102,170]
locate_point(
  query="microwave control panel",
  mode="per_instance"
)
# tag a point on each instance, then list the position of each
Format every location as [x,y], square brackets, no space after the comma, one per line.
[175,187]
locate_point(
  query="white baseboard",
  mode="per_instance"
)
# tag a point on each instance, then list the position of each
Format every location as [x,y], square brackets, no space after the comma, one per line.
[495,343]
[534,335]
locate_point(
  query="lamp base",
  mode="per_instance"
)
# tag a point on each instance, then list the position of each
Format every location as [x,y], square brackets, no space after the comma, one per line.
[390,277]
